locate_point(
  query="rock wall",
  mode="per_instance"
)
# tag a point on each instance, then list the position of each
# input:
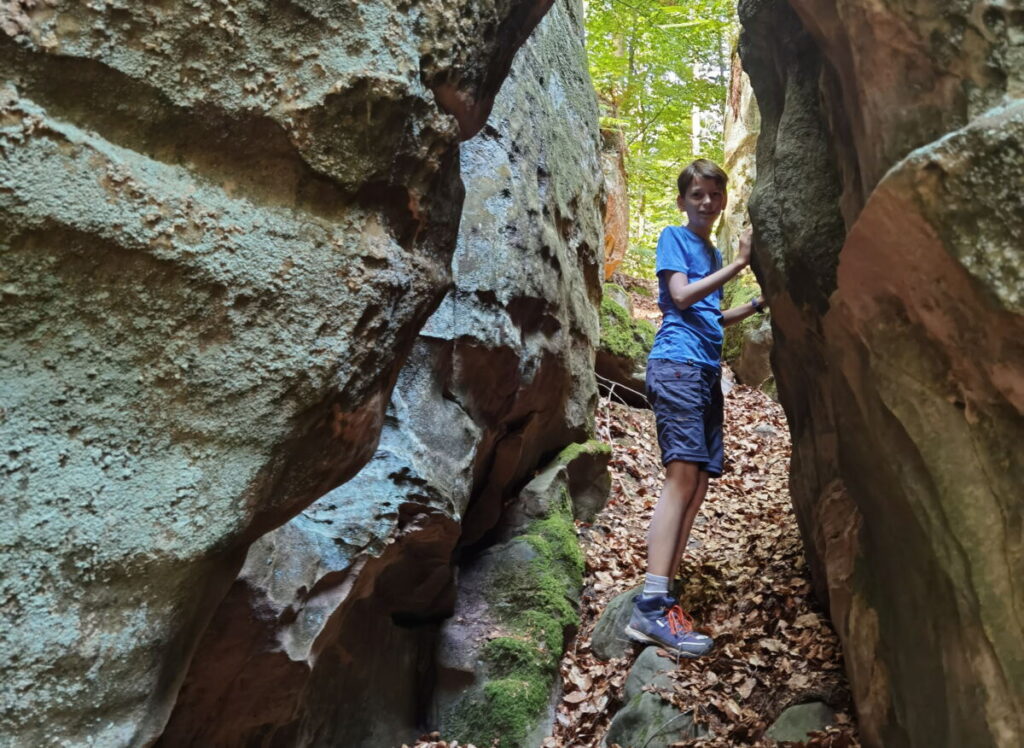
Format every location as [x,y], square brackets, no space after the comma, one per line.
[222,226]
[747,344]
[346,602]
[889,224]
[616,210]
[742,125]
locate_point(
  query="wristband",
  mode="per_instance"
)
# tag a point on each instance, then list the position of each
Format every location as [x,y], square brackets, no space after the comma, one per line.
[758,308]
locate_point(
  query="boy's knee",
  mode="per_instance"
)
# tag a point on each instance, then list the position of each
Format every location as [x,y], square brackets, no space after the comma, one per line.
[682,473]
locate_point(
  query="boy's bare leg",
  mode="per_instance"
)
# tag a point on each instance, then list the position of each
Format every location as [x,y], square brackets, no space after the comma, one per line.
[682,482]
[692,507]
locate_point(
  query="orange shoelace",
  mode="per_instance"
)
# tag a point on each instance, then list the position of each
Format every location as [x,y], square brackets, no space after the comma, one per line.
[678,620]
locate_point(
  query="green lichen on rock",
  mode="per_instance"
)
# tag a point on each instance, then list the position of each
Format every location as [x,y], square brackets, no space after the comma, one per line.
[555,540]
[621,335]
[507,708]
[533,595]
[593,447]
[739,290]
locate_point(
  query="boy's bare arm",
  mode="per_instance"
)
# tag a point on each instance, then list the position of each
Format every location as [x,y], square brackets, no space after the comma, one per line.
[741,312]
[684,293]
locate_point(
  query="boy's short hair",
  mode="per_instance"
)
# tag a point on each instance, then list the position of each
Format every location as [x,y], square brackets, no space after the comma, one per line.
[702,168]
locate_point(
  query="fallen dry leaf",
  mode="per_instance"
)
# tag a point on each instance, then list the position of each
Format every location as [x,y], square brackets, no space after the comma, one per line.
[746,580]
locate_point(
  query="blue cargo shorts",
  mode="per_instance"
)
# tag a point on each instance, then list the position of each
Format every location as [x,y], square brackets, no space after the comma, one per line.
[688,408]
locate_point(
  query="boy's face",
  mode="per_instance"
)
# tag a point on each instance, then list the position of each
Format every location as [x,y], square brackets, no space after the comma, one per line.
[703,202]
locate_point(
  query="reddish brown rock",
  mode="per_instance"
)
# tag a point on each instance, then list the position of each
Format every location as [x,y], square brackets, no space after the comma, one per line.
[616,208]
[889,225]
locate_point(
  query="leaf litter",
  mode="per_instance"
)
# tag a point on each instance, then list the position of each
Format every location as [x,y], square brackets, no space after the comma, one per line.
[746,582]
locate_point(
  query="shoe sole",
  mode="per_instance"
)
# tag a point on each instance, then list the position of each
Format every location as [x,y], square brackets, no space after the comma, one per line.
[642,638]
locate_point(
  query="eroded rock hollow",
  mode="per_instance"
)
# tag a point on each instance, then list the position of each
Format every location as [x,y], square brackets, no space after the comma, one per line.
[222,227]
[890,239]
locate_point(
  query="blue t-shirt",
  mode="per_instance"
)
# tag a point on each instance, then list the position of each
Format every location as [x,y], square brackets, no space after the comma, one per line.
[693,334]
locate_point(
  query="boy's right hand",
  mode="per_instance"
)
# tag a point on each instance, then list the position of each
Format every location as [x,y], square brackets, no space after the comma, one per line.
[746,240]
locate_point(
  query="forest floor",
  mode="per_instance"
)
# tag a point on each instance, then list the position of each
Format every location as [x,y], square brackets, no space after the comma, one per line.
[747,583]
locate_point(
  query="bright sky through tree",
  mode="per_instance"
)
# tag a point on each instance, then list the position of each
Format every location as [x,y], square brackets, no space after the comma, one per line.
[661,71]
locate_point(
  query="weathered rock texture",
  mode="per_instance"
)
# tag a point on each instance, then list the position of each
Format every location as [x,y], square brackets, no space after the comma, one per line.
[616,209]
[742,125]
[328,636]
[890,229]
[646,718]
[518,605]
[222,226]
[748,343]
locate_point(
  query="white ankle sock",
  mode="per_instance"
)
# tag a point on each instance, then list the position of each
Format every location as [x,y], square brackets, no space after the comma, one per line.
[655,585]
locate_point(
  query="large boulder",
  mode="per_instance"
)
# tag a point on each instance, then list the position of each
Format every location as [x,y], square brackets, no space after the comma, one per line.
[796,723]
[608,640]
[647,719]
[345,602]
[518,605]
[889,228]
[222,226]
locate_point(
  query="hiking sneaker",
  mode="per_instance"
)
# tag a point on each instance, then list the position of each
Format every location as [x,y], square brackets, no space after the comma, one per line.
[659,620]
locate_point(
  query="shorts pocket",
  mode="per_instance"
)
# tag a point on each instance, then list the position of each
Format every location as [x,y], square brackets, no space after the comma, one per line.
[676,387]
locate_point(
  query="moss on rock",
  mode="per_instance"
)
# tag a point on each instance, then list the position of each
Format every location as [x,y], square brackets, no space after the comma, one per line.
[510,654]
[506,708]
[592,447]
[740,289]
[533,595]
[621,335]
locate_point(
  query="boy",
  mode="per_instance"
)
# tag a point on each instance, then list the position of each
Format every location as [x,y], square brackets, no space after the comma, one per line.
[684,388]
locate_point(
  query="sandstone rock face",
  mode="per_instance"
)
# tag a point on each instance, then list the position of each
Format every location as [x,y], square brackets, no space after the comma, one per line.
[742,125]
[616,209]
[889,224]
[345,602]
[222,227]
[748,344]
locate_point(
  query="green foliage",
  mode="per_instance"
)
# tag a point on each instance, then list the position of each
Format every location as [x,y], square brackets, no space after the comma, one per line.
[655,63]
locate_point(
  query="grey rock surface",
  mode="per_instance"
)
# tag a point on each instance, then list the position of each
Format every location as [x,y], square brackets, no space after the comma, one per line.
[752,361]
[797,722]
[221,227]
[590,482]
[346,601]
[608,640]
[650,668]
[648,721]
